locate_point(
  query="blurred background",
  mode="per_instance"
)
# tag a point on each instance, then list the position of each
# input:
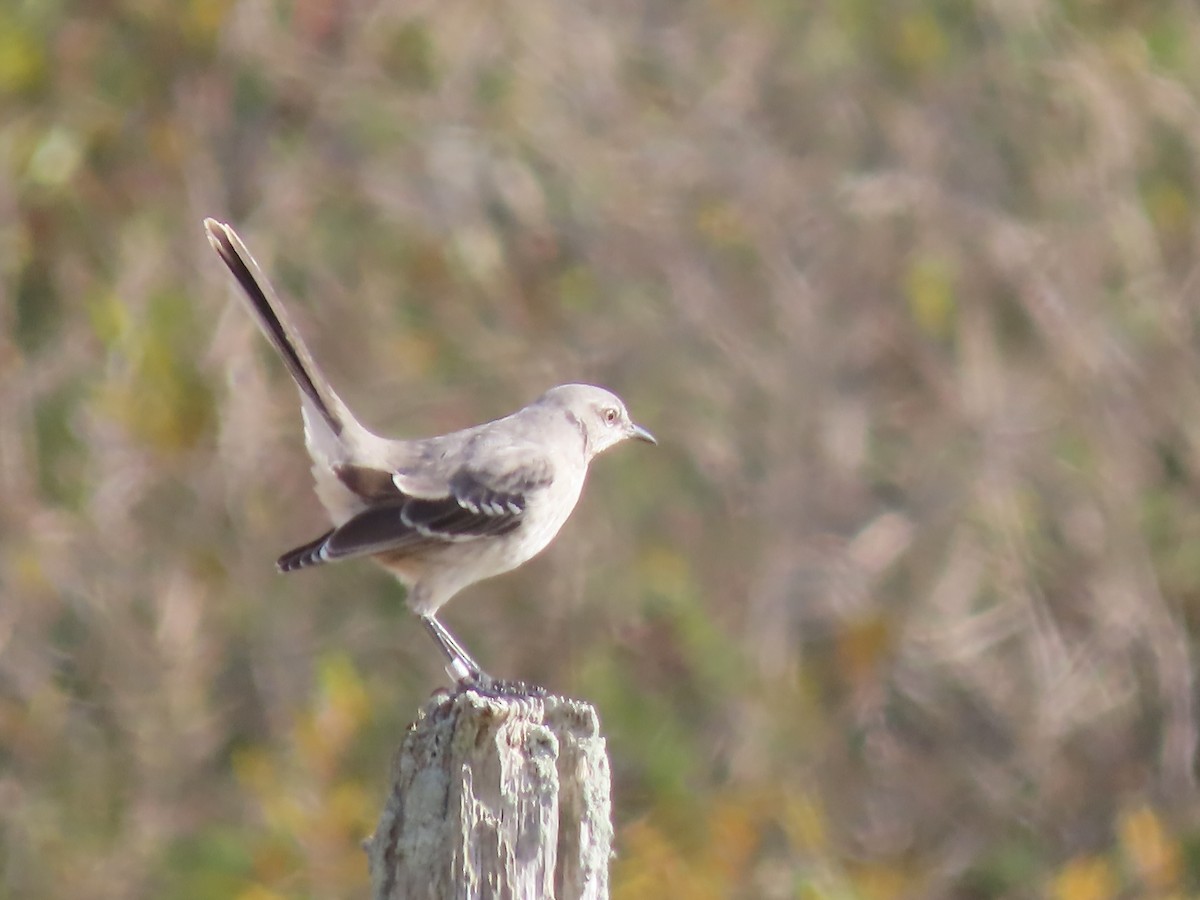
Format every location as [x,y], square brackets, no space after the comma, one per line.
[904,604]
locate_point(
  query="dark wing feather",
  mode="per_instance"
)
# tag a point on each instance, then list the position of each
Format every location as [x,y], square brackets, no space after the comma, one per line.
[478,506]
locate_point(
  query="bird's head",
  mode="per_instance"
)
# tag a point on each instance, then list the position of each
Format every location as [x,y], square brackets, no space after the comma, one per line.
[600,416]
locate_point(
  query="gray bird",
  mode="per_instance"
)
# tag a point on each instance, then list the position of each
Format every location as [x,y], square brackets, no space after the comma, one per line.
[439,513]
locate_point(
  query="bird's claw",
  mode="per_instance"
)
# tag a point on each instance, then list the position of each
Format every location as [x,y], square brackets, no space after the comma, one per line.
[501,688]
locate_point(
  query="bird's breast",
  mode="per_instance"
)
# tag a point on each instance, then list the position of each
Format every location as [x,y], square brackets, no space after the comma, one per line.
[548,510]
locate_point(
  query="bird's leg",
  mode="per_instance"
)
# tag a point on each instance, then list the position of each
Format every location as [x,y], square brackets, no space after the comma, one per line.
[459,666]
[466,672]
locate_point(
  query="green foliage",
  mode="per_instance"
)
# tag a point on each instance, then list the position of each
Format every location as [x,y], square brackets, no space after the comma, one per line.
[409,60]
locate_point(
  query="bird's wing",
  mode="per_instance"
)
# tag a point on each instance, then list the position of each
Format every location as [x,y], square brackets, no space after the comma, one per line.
[476,503]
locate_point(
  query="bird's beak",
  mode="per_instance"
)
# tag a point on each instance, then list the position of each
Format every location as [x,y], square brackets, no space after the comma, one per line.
[642,435]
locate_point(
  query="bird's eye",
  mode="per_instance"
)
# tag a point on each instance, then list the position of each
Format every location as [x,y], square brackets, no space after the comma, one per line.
[611,415]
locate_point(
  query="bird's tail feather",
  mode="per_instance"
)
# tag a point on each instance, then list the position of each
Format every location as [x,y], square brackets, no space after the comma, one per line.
[272,318]
[304,556]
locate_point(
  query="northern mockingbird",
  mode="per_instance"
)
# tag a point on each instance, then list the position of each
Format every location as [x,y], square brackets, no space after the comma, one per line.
[444,512]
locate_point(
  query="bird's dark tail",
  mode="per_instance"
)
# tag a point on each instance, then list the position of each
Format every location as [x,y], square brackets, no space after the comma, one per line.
[305,555]
[273,320]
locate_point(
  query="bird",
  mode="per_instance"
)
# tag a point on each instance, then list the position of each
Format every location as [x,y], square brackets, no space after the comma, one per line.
[439,513]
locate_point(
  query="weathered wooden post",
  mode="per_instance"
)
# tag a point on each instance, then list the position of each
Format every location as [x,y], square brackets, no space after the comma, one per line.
[496,797]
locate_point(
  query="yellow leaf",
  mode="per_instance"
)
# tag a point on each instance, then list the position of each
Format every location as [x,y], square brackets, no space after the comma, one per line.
[804,822]
[22,57]
[929,287]
[1152,853]
[1085,878]
[883,883]
[259,892]
[921,42]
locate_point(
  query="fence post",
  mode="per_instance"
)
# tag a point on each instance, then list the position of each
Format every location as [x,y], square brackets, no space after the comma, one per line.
[496,797]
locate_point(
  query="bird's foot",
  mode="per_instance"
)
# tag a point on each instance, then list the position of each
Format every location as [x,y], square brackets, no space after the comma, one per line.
[465,672]
[500,688]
